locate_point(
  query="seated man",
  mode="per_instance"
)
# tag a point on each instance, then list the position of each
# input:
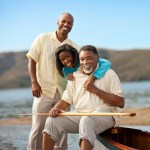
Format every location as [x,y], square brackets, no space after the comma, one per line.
[103,95]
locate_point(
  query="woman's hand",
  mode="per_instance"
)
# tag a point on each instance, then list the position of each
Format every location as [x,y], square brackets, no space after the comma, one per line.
[70,77]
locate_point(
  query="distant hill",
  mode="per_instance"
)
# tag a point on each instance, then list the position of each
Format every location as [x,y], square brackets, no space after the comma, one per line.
[131,65]
[14,70]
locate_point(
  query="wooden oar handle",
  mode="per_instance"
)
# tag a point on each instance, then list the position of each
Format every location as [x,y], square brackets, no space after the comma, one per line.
[96,114]
[84,114]
[132,114]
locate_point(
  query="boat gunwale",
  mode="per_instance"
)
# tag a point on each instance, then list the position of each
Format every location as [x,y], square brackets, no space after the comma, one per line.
[108,141]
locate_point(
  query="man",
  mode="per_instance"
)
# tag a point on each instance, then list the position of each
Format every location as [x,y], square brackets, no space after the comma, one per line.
[47,84]
[103,95]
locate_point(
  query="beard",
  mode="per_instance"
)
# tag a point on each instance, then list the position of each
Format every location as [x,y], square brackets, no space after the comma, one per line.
[88,69]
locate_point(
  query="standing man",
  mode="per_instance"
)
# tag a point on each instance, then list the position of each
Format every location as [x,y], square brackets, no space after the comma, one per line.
[103,95]
[47,84]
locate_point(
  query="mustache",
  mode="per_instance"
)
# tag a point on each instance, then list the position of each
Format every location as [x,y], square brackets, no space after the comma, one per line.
[87,66]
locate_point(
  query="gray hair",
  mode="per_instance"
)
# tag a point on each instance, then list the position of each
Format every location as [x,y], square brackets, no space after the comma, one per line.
[89,48]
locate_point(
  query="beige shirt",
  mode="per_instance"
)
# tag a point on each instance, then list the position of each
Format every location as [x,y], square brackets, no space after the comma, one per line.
[42,52]
[84,101]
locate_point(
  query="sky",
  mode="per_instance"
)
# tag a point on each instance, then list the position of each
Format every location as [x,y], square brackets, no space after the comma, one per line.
[112,24]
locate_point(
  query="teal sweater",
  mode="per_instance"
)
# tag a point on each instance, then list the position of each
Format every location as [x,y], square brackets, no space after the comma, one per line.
[104,65]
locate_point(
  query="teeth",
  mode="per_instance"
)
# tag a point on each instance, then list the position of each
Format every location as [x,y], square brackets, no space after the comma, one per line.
[87,66]
[65,29]
[87,69]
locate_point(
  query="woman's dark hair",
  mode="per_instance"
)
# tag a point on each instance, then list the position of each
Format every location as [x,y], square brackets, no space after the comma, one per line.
[74,52]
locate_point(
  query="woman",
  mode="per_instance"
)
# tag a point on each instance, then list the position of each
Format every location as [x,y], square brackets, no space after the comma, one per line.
[67,62]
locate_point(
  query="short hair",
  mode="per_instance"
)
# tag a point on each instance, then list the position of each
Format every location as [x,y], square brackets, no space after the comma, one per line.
[72,50]
[66,14]
[89,48]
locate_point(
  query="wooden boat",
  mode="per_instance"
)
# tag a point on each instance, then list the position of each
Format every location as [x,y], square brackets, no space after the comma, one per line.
[121,138]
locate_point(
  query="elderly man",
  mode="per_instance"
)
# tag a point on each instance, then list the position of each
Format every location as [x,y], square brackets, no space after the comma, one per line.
[103,95]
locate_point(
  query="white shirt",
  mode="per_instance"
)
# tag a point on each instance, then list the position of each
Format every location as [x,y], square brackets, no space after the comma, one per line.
[42,52]
[83,100]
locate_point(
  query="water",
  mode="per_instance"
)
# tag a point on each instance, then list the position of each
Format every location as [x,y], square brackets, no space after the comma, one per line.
[14,137]
[137,94]
[15,101]
[11,140]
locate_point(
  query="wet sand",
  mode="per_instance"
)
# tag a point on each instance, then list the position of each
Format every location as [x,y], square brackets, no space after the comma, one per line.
[12,141]
[141,118]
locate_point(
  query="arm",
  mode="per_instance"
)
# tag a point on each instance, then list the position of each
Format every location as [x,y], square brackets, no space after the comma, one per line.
[108,98]
[104,65]
[68,71]
[36,89]
[67,99]
[58,108]
[114,94]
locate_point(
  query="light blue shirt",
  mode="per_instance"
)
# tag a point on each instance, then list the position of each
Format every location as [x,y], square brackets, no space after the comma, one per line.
[104,65]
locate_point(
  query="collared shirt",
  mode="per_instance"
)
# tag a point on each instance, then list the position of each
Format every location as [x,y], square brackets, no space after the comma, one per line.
[83,100]
[42,52]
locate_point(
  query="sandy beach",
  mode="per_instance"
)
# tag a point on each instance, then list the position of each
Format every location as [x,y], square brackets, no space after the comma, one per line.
[12,141]
[141,118]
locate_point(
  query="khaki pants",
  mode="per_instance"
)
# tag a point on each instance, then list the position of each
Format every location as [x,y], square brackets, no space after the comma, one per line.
[87,127]
[43,104]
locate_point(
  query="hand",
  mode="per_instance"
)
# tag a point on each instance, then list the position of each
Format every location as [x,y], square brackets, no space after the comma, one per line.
[70,77]
[89,85]
[55,111]
[36,89]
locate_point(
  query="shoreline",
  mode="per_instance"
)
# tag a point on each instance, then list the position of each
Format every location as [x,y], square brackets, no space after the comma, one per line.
[141,118]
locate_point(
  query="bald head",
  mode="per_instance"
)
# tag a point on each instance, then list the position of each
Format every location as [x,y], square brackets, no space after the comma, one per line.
[65,24]
[68,14]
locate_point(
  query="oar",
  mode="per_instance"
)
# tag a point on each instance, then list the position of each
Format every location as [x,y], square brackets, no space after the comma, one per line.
[83,114]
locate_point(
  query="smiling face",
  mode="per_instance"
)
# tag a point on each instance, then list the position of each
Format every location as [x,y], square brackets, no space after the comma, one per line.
[88,61]
[65,24]
[66,59]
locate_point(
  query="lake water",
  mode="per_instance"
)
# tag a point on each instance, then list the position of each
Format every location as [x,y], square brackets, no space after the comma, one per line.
[15,101]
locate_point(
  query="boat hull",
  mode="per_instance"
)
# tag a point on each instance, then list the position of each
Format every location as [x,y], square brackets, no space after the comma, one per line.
[121,138]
